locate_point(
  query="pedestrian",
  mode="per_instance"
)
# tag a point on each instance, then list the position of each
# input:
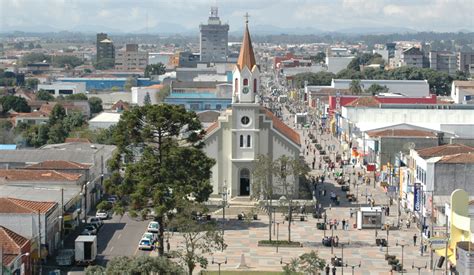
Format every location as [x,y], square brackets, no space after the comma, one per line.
[414,239]
[333,270]
[337,241]
[343,224]
[328,269]
[388,211]
[408,224]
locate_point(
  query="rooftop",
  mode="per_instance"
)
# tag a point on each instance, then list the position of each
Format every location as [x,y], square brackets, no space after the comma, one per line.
[282,127]
[368,101]
[18,206]
[12,244]
[246,55]
[458,158]
[37,175]
[444,150]
[107,117]
[460,83]
[58,164]
[401,133]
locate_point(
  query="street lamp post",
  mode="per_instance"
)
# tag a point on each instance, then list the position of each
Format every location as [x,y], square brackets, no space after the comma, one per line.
[419,267]
[219,264]
[224,205]
[353,266]
[387,228]
[332,239]
[403,247]
[278,233]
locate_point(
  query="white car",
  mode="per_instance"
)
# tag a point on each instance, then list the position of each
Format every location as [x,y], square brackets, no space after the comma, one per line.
[145,244]
[96,221]
[101,214]
[150,236]
[153,227]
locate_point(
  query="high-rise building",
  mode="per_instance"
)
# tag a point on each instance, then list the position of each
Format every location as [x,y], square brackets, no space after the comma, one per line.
[443,61]
[131,59]
[464,60]
[105,48]
[213,38]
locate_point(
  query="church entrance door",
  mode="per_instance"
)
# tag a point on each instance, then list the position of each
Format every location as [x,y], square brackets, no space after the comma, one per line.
[244,182]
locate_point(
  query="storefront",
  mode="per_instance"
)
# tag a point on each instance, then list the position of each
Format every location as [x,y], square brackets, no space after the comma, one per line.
[370,218]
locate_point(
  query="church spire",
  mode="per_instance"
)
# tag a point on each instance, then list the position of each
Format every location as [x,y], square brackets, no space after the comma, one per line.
[246,56]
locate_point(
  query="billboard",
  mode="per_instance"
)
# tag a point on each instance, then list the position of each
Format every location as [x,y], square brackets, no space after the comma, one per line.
[417,197]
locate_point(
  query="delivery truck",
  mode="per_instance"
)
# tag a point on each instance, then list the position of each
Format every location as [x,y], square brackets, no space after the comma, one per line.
[85,250]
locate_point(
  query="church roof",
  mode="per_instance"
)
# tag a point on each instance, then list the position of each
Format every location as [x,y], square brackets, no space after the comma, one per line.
[246,56]
[281,127]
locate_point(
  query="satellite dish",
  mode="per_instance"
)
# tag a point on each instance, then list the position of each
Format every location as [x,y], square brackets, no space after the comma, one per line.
[409,146]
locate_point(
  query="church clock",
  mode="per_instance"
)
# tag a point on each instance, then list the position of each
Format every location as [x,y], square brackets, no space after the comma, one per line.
[245,90]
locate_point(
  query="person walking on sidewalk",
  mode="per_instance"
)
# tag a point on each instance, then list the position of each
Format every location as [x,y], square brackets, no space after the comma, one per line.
[343,224]
[414,239]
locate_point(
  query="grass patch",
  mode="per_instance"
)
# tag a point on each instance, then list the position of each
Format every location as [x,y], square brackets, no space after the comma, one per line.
[279,243]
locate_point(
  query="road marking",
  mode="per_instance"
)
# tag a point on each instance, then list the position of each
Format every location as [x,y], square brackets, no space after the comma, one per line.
[111,249]
[118,237]
[136,251]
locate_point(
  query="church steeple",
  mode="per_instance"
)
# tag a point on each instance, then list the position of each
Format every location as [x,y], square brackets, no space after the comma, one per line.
[246,56]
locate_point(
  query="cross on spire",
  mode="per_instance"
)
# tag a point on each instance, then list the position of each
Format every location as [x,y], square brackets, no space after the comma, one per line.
[246,16]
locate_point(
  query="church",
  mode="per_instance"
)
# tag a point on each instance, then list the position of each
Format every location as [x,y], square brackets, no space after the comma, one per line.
[246,130]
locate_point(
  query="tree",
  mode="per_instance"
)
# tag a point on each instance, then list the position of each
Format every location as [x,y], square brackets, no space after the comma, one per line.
[163,93]
[355,87]
[198,237]
[377,89]
[319,78]
[137,266]
[349,74]
[64,60]
[320,57]
[287,171]
[171,168]
[95,104]
[31,83]
[58,113]
[155,69]
[44,95]
[147,99]
[57,133]
[79,97]
[131,82]
[262,186]
[73,120]
[35,58]
[15,103]
[307,263]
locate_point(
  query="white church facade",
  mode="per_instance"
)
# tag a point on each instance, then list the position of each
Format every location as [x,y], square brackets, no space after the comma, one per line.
[246,130]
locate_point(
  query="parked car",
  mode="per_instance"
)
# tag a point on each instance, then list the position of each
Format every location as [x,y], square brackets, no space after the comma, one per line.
[145,244]
[102,214]
[112,199]
[97,222]
[150,236]
[91,229]
[153,227]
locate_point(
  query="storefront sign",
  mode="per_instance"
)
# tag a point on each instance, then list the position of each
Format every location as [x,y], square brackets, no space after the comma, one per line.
[437,242]
[417,197]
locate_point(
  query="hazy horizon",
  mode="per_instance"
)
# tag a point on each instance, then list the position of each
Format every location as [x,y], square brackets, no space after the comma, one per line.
[186,15]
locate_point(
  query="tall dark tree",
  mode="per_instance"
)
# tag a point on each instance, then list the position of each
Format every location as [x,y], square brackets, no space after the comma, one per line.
[15,103]
[44,95]
[95,104]
[155,69]
[171,168]
[58,113]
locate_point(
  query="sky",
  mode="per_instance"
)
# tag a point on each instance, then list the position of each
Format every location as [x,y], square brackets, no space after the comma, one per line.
[159,15]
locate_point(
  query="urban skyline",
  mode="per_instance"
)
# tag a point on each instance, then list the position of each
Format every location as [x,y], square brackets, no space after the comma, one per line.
[305,16]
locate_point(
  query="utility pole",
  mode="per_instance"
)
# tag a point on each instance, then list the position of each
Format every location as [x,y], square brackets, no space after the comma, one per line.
[39,242]
[446,248]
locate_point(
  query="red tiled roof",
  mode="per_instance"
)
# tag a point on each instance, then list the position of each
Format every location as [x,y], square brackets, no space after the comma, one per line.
[17,206]
[58,164]
[364,101]
[281,127]
[458,158]
[444,150]
[401,133]
[32,114]
[77,140]
[212,127]
[11,243]
[33,175]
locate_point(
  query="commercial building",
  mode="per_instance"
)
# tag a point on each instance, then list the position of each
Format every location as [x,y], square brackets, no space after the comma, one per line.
[105,48]
[443,62]
[462,92]
[412,57]
[104,120]
[213,38]
[107,83]
[200,96]
[184,59]
[464,61]
[62,88]
[131,59]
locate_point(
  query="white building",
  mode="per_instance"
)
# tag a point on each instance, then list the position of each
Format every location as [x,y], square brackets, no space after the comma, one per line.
[104,120]
[462,92]
[246,131]
[63,88]
[336,64]
[140,93]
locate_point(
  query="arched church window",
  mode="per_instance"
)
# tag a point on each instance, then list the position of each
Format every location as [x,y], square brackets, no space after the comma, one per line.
[249,141]
[255,85]
[246,82]
[241,141]
[236,81]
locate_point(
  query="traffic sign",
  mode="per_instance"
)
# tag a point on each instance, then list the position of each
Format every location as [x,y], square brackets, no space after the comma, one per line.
[438,242]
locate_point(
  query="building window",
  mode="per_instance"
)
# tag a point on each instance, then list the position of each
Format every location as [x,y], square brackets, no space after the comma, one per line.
[218,107]
[236,81]
[246,82]
[249,141]
[241,141]
[255,85]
